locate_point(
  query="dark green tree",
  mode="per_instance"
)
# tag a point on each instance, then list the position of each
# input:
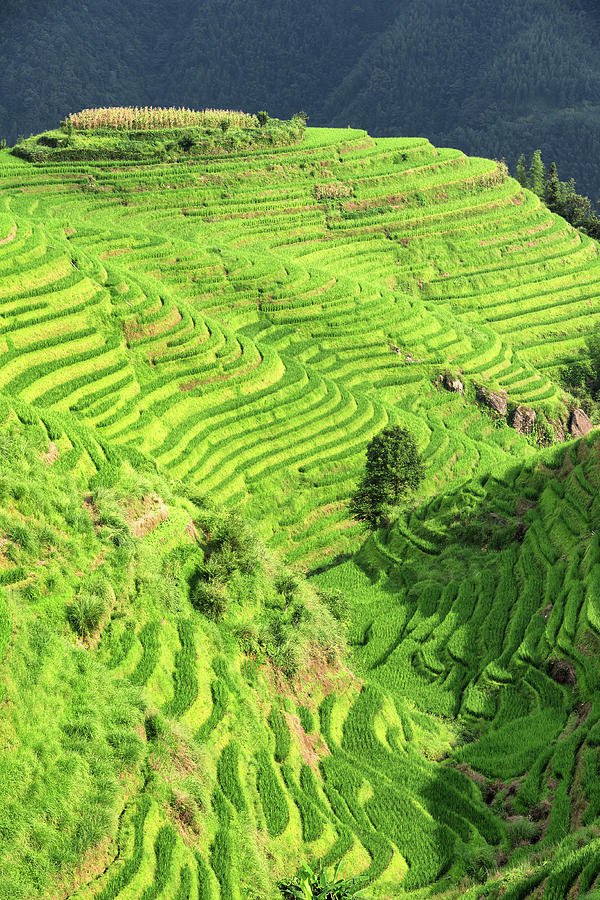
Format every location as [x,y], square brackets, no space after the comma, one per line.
[561,196]
[521,173]
[394,467]
[593,348]
[582,377]
[537,174]
[575,208]
[367,502]
[263,117]
[553,189]
[592,226]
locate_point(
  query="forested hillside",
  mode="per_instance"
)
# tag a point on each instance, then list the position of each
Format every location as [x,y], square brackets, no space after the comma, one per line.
[494,79]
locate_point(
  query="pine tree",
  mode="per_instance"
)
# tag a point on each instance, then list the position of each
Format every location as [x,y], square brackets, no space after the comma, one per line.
[553,189]
[522,171]
[537,174]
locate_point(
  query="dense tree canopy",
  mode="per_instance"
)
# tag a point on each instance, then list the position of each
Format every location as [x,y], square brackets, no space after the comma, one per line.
[494,79]
[560,196]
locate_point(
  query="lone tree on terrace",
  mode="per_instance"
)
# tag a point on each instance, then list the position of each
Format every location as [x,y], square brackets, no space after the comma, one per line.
[394,468]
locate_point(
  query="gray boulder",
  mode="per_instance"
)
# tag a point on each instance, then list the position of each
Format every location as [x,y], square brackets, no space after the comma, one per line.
[451,383]
[579,423]
[496,400]
[523,419]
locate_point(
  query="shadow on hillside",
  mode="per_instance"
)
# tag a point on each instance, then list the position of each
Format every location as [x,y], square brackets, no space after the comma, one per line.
[331,564]
[467,633]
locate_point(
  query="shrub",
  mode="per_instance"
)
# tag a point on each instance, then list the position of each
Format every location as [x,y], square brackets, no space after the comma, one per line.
[187,142]
[186,809]
[288,586]
[85,613]
[313,882]
[481,863]
[210,598]
[522,831]
[222,563]
[152,726]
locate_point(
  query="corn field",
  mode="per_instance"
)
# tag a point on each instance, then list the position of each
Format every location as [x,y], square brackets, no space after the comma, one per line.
[147,118]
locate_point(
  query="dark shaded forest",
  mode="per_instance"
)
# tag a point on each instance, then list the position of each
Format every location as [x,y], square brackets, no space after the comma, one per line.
[494,79]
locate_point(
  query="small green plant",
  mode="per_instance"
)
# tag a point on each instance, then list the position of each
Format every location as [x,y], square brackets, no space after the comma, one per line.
[263,117]
[480,864]
[210,598]
[85,613]
[313,883]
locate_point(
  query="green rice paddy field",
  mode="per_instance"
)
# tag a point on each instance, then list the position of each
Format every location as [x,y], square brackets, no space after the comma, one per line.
[194,355]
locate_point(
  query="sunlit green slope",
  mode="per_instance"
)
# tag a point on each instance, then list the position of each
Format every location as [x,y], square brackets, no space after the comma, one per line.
[252,320]
[237,327]
[143,636]
[197,749]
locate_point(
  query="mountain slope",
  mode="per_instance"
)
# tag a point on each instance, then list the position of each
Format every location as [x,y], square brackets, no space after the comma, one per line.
[483,607]
[194,353]
[492,79]
[507,79]
[175,755]
[252,321]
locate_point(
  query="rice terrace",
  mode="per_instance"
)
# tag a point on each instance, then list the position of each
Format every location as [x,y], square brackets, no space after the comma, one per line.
[217,683]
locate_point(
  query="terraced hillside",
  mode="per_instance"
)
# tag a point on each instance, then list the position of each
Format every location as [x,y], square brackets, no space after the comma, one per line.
[137,760]
[182,718]
[187,752]
[251,321]
[482,607]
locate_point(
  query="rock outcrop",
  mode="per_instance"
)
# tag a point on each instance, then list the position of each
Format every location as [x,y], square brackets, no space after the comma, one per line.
[452,383]
[496,400]
[579,423]
[523,419]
